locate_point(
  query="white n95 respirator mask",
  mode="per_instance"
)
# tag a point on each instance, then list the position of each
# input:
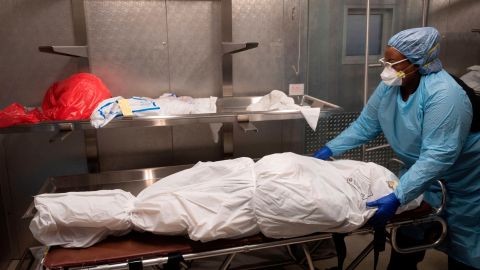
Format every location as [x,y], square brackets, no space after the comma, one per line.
[392,77]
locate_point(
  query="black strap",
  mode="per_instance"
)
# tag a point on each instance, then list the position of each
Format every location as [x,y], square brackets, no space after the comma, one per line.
[135,264]
[340,248]
[475,100]
[174,261]
[379,239]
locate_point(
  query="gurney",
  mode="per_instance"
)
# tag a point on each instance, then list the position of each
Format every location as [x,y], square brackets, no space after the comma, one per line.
[138,250]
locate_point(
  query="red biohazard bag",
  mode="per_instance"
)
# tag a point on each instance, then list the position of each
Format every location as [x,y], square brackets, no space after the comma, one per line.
[17,114]
[74,98]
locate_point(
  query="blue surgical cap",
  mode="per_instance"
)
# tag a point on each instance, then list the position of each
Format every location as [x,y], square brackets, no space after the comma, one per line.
[421,46]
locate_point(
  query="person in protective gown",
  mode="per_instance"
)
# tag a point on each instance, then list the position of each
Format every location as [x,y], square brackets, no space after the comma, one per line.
[426,118]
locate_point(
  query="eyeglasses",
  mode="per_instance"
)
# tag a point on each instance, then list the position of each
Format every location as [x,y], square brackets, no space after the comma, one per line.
[388,64]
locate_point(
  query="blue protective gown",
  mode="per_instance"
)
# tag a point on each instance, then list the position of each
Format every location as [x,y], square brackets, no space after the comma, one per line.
[430,132]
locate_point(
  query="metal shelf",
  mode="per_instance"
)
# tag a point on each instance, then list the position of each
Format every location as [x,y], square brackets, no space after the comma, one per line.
[229,110]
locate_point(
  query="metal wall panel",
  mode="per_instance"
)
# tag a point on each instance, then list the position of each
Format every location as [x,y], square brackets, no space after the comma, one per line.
[127,42]
[438,16]
[455,19]
[133,148]
[193,143]
[195,45]
[295,25]
[272,137]
[293,136]
[258,71]
[25,73]
[266,141]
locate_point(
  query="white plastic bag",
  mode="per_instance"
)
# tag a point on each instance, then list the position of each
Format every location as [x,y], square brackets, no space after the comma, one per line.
[209,201]
[472,78]
[298,195]
[170,104]
[278,100]
[81,219]
[109,109]
[167,104]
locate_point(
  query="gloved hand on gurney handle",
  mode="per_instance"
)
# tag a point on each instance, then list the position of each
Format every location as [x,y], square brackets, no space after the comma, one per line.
[323,153]
[387,206]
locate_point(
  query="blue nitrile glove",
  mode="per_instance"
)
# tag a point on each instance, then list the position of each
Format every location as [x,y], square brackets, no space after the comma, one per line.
[323,153]
[387,206]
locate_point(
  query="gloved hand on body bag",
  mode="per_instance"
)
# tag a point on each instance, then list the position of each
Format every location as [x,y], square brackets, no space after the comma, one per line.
[323,153]
[387,206]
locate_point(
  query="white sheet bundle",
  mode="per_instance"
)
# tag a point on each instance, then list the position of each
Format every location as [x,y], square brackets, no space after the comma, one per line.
[278,100]
[81,219]
[472,78]
[282,195]
[167,104]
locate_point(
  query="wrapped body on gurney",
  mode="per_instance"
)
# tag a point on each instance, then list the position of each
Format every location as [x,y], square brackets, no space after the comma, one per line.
[281,195]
